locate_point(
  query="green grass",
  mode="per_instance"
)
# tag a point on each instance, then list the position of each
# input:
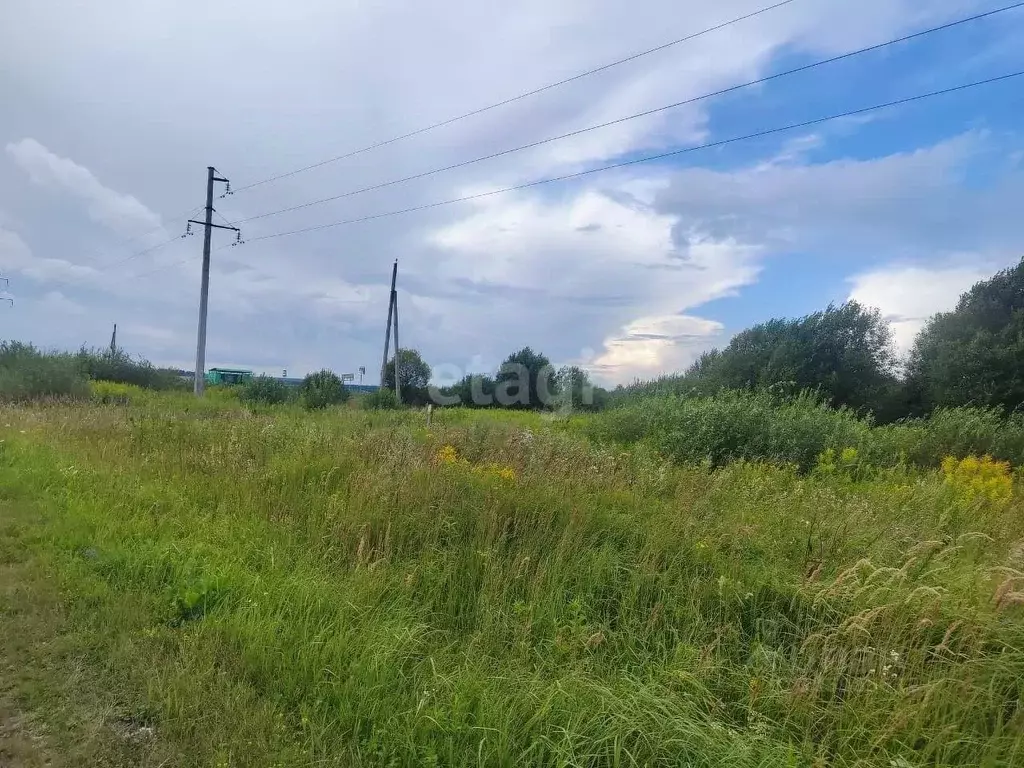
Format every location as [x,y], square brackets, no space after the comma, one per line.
[290,588]
[736,425]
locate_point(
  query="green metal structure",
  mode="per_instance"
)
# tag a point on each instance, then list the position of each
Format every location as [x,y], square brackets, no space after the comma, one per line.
[227,376]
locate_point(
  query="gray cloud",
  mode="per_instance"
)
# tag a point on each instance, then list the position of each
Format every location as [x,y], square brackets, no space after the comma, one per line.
[121,106]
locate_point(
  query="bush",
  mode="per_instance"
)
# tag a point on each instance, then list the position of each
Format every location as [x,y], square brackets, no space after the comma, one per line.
[957,432]
[118,366]
[26,374]
[322,389]
[735,425]
[381,400]
[760,427]
[265,390]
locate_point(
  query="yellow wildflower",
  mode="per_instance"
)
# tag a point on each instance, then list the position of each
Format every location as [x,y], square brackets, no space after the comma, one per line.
[447,455]
[979,478]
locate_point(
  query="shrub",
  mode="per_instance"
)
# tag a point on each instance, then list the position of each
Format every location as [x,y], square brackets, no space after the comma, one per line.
[380,400]
[735,425]
[957,432]
[26,374]
[322,389]
[118,366]
[265,391]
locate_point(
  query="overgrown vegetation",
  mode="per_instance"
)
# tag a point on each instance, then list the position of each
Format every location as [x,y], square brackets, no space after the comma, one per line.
[27,374]
[118,366]
[760,426]
[347,588]
[322,389]
[265,390]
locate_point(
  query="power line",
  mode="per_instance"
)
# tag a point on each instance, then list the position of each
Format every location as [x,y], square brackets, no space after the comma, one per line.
[651,158]
[103,267]
[521,96]
[646,113]
[138,254]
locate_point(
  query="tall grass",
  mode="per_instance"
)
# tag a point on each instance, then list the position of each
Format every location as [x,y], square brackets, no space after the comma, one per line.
[349,588]
[27,374]
[760,426]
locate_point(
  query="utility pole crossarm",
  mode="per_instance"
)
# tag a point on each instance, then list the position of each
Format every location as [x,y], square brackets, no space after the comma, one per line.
[216,226]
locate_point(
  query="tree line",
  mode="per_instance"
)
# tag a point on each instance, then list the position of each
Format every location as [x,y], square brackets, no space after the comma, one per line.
[972,355]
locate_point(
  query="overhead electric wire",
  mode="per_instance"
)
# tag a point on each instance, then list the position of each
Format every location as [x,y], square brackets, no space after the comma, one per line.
[190,212]
[623,164]
[638,115]
[101,268]
[651,158]
[527,94]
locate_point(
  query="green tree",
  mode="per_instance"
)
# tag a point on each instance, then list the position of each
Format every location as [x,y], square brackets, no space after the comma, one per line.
[471,391]
[577,392]
[843,352]
[526,380]
[414,376]
[973,355]
[322,389]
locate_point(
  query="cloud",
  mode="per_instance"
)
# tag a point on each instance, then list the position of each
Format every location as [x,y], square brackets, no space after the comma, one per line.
[908,295]
[574,268]
[16,256]
[907,201]
[651,346]
[57,303]
[606,263]
[120,212]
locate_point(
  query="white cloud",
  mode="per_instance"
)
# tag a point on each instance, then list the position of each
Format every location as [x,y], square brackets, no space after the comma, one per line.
[603,271]
[908,295]
[144,96]
[651,346]
[57,303]
[120,212]
[16,256]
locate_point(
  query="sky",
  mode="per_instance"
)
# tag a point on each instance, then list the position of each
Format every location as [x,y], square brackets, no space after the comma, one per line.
[110,114]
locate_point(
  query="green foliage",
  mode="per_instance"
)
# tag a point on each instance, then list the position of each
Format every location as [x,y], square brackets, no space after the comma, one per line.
[322,389]
[526,380]
[119,366]
[845,353]
[26,374]
[471,391]
[760,426]
[379,400]
[414,374]
[958,432]
[265,390]
[576,392]
[751,426]
[974,355]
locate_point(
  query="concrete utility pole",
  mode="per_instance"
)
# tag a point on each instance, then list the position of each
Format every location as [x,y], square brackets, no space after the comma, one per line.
[199,383]
[387,332]
[113,341]
[398,350]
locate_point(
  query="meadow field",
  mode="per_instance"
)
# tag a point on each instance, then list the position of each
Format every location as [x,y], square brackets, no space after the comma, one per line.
[203,584]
